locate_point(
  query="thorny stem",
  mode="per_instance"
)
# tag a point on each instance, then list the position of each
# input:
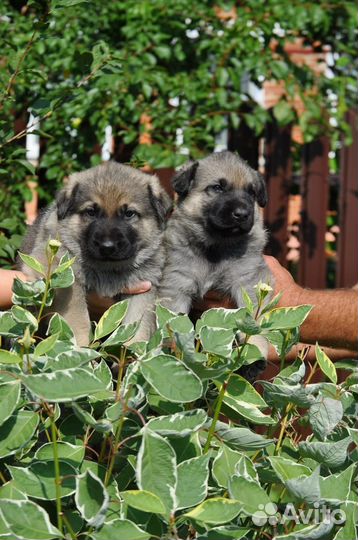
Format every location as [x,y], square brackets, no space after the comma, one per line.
[57,475]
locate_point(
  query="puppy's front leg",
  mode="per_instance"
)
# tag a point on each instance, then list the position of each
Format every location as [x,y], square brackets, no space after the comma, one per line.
[142,308]
[71,304]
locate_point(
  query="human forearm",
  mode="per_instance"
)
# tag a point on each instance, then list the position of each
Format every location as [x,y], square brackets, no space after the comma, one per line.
[333,320]
[6,280]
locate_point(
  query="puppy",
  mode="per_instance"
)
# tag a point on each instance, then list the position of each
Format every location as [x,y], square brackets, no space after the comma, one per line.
[111,218]
[215,237]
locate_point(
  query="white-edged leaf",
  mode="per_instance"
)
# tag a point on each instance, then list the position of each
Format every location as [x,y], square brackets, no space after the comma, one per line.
[73,454]
[31,262]
[249,493]
[16,432]
[285,318]
[46,345]
[144,500]
[326,364]
[120,529]
[224,465]
[215,511]
[286,469]
[171,379]
[38,479]
[7,357]
[192,486]
[111,319]
[27,521]
[91,498]
[156,468]
[217,340]
[23,316]
[63,385]
[9,397]
[181,423]
[324,415]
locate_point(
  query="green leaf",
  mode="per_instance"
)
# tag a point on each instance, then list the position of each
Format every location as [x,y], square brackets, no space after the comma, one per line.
[31,262]
[16,432]
[91,498]
[225,532]
[103,425]
[9,491]
[71,453]
[285,318]
[38,480]
[241,438]
[58,325]
[336,487]
[249,493]
[241,397]
[65,263]
[23,316]
[324,415]
[144,501]
[287,469]
[218,318]
[7,357]
[121,335]
[111,319]
[215,511]
[312,532]
[331,454]
[63,279]
[283,112]
[305,488]
[63,385]
[122,529]
[326,364]
[9,398]
[46,345]
[171,379]
[192,486]
[217,340]
[279,395]
[156,468]
[181,423]
[28,521]
[71,358]
[224,465]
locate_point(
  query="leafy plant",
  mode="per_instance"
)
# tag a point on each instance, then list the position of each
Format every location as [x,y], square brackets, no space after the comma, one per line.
[165,439]
[80,66]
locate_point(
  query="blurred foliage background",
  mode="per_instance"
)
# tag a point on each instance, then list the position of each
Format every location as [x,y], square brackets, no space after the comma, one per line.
[185,64]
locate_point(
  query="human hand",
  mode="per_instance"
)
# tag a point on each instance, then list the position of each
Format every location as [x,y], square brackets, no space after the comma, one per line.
[283,283]
[97,305]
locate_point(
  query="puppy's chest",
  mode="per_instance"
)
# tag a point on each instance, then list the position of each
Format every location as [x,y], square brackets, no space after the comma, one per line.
[213,276]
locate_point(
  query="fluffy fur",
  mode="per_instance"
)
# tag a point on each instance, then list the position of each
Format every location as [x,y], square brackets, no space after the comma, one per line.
[215,238]
[111,218]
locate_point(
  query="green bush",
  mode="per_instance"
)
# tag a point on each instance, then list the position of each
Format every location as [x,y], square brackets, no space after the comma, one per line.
[158,439]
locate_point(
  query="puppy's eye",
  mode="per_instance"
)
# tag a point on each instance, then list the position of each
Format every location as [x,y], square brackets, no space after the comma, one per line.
[251,191]
[91,211]
[217,188]
[129,214]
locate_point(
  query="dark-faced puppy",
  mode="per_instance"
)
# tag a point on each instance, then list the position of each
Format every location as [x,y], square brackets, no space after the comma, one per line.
[215,238]
[111,218]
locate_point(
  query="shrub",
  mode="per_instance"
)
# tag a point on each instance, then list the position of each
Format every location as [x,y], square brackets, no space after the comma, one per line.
[157,439]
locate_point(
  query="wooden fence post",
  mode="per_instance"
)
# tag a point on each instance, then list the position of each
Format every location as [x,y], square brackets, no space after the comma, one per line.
[315,193]
[347,271]
[278,177]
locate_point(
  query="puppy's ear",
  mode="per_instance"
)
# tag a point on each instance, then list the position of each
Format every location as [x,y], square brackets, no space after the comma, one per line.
[183,180]
[260,189]
[161,204]
[66,201]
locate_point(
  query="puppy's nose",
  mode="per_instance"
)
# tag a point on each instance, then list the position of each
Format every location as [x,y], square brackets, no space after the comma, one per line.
[106,248]
[240,213]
